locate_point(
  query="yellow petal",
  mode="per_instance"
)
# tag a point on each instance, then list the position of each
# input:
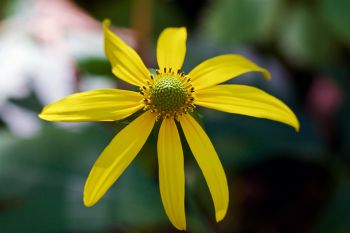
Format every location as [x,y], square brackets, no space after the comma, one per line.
[222,68]
[126,63]
[171,173]
[171,48]
[209,163]
[97,105]
[116,157]
[246,100]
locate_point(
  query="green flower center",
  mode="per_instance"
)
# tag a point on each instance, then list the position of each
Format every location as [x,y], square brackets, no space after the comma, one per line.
[168,94]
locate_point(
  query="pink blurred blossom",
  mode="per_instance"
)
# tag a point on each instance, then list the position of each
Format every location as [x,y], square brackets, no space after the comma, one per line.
[324,98]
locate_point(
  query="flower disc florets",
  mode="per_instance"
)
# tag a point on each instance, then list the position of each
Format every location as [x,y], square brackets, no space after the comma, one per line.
[168,93]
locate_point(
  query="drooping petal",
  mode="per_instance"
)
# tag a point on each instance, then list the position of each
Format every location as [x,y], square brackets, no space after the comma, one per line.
[208,161]
[222,68]
[126,63]
[171,173]
[96,105]
[116,157]
[171,48]
[246,100]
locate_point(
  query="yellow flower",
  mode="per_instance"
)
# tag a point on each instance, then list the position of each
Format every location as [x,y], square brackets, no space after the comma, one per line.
[169,96]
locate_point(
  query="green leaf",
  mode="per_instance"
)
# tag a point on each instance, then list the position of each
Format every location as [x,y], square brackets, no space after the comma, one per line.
[241,20]
[336,15]
[301,39]
[95,66]
[44,178]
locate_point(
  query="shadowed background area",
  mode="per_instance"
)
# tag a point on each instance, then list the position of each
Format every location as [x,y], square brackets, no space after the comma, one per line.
[280,181]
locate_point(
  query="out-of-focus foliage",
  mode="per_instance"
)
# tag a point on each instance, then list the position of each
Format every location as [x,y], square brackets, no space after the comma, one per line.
[241,21]
[44,178]
[306,32]
[165,13]
[335,13]
[302,41]
[335,218]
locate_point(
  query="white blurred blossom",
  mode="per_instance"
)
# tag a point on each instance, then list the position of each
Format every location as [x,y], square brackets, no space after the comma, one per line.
[39,45]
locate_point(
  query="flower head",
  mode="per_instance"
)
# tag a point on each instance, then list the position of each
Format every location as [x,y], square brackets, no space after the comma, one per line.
[167,97]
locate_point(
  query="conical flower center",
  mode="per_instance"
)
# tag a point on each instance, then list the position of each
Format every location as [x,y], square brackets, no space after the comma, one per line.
[168,94]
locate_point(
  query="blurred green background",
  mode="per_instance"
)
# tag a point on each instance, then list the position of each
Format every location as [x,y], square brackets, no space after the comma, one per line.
[280,181]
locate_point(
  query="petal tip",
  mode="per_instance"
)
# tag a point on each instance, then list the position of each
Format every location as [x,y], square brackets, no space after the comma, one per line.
[180,227]
[183,28]
[43,116]
[106,22]
[88,201]
[220,214]
[295,122]
[87,204]
[88,198]
[266,74]
[297,126]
